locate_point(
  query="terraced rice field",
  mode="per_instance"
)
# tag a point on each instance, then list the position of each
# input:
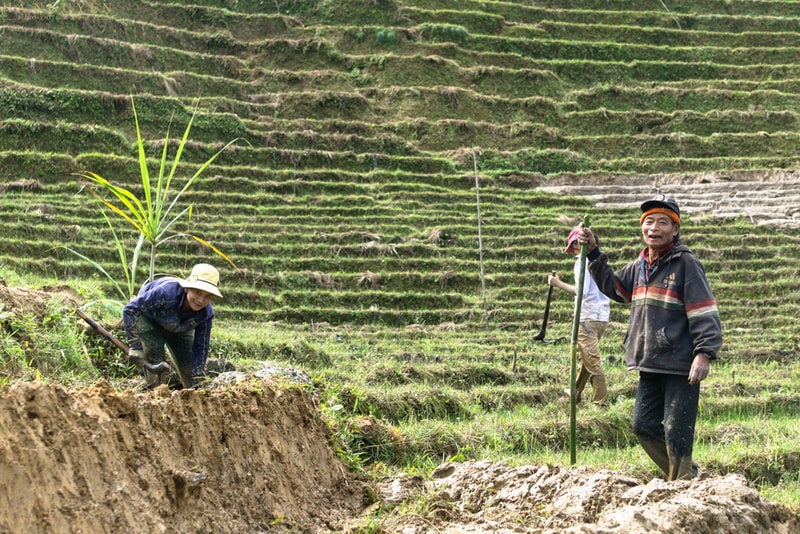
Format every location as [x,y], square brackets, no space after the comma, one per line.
[371,134]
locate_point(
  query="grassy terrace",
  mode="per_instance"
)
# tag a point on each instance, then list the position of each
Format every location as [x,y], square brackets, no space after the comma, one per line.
[349,204]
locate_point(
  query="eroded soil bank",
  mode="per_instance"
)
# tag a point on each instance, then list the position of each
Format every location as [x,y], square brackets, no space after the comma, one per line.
[222,460]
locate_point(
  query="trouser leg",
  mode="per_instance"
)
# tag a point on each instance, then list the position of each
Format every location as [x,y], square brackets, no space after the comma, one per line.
[599,390]
[152,337]
[680,416]
[580,383]
[664,419]
[156,370]
[589,335]
[180,345]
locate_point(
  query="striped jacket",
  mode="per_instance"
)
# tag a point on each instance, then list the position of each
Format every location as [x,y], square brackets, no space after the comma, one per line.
[673,313]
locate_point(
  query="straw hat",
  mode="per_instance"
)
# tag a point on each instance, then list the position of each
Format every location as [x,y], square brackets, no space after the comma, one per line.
[203,277]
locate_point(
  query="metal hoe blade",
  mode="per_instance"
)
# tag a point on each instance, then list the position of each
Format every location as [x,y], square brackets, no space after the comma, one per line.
[542,332]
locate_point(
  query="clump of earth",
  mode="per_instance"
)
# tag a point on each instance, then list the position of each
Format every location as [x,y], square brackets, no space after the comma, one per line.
[484,496]
[250,453]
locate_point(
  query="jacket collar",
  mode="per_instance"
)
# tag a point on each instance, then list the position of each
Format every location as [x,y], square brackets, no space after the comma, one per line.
[663,252]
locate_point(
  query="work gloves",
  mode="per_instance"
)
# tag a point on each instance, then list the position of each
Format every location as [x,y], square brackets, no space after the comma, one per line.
[136,357]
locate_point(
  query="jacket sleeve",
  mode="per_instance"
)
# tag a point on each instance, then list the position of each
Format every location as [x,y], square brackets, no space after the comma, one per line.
[616,286]
[701,311]
[139,305]
[202,343]
[130,320]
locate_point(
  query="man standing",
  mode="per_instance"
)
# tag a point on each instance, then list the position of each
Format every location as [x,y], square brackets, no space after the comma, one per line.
[673,334]
[177,314]
[595,311]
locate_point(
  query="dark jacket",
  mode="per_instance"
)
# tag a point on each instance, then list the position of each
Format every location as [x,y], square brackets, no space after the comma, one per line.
[674,315]
[161,301]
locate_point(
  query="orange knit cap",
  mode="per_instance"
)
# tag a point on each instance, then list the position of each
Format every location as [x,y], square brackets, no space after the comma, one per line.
[661,204]
[664,211]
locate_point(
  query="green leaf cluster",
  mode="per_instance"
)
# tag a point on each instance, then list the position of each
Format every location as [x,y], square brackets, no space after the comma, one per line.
[155,214]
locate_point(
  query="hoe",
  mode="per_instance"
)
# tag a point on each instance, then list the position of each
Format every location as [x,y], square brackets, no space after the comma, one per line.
[540,335]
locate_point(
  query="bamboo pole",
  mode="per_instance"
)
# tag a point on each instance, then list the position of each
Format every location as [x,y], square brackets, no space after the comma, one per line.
[480,237]
[573,360]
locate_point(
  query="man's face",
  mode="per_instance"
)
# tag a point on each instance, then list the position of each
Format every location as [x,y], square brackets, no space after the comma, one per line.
[658,230]
[197,298]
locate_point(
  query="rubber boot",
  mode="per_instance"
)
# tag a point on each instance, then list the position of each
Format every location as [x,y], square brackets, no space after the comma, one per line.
[158,368]
[682,469]
[673,468]
[155,374]
[185,373]
[580,383]
[657,451]
[152,380]
[138,361]
[599,391]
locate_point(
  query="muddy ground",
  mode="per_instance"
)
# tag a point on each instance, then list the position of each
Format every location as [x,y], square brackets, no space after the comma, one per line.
[254,458]
[251,455]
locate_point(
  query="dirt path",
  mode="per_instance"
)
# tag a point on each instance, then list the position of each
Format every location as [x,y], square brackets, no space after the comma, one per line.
[764,197]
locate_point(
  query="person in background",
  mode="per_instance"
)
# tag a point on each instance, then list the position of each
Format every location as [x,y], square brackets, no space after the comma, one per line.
[673,334]
[595,310]
[176,314]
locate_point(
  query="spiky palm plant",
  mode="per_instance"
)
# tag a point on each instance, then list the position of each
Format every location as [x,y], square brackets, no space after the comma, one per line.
[153,216]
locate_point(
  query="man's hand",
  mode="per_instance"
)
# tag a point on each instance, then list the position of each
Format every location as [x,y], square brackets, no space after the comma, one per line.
[700,367]
[553,280]
[588,238]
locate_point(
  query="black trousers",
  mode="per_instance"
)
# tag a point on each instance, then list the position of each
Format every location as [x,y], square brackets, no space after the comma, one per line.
[664,418]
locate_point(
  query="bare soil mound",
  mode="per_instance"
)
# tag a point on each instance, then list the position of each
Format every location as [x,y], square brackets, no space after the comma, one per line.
[224,460]
[482,496]
[31,302]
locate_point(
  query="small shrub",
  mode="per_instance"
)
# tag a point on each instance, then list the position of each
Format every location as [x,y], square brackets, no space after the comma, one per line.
[444,32]
[386,37]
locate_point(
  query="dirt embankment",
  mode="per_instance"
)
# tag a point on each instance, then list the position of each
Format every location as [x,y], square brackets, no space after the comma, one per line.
[248,460]
[223,460]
